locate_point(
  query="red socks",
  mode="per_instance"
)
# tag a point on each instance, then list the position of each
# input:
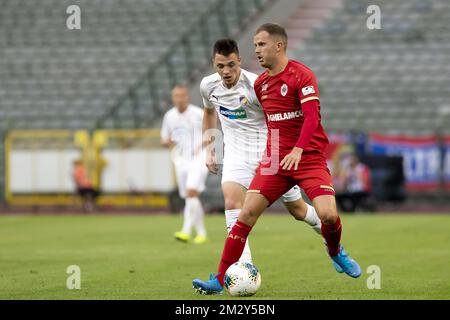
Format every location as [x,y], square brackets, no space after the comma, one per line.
[332,235]
[235,242]
[234,245]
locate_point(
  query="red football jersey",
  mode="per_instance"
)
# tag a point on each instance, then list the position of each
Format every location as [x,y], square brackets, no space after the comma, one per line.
[281,97]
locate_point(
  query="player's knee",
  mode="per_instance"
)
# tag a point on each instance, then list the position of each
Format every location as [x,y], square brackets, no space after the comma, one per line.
[328,215]
[191,193]
[298,213]
[297,209]
[298,216]
[231,204]
[326,209]
[248,217]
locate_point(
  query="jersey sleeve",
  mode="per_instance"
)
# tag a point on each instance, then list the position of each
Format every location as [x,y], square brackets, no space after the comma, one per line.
[204,92]
[307,88]
[165,130]
[257,103]
[310,110]
[256,87]
[253,98]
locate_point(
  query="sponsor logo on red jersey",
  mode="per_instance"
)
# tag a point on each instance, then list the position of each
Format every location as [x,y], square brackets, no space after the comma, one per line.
[308,90]
[284,115]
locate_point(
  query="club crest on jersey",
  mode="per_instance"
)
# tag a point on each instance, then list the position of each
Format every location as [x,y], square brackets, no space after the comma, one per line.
[243,101]
[284,89]
[264,87]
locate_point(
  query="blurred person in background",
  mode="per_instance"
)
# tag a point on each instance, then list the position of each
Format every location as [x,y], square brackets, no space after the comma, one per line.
[181,131]
[355,181]
[84,185]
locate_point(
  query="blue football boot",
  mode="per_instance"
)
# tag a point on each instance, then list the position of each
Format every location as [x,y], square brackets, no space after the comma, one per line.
[211,286]
[335,265]
[346,263]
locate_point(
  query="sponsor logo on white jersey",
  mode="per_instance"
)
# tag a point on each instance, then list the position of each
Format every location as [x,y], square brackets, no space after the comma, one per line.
[284,115]
[238,113]
[308,90]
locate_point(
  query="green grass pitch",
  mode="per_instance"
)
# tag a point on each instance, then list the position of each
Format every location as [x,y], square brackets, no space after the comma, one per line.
[136,257]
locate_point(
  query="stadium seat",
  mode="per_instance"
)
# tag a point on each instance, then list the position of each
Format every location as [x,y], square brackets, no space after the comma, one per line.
[42,61]
[401,70]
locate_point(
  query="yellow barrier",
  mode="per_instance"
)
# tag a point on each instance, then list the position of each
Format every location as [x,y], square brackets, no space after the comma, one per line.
[63,145]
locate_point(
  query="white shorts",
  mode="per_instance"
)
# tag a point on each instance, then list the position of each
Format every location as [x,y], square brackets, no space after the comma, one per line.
[191,176]
[243,174]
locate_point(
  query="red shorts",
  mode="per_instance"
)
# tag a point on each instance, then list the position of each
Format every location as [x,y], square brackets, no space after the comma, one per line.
[312,175]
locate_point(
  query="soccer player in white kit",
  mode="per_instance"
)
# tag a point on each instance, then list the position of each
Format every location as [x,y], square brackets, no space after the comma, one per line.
[182,132]
[228,95]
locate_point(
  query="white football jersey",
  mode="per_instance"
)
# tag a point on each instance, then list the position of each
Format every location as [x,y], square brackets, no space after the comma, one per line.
[185,129]
[241,116]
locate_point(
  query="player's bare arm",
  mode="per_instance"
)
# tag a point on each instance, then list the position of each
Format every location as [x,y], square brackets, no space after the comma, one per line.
[209,124]
[168,143]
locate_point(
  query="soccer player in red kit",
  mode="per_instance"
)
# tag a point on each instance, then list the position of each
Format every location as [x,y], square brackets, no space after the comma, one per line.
[295,149]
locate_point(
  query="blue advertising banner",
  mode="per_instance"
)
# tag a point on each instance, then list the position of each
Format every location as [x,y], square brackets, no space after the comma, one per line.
[421,158]
[446,166]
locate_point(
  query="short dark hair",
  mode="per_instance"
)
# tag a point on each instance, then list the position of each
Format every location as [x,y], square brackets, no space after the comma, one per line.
[274,30]
[225,47]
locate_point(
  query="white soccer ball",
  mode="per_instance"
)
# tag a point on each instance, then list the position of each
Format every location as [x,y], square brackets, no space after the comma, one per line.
[242,279]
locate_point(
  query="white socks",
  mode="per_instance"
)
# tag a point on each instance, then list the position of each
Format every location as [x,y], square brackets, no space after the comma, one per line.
[199,217]
[194,217]
[313,220]
[231,217]
[188,220]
